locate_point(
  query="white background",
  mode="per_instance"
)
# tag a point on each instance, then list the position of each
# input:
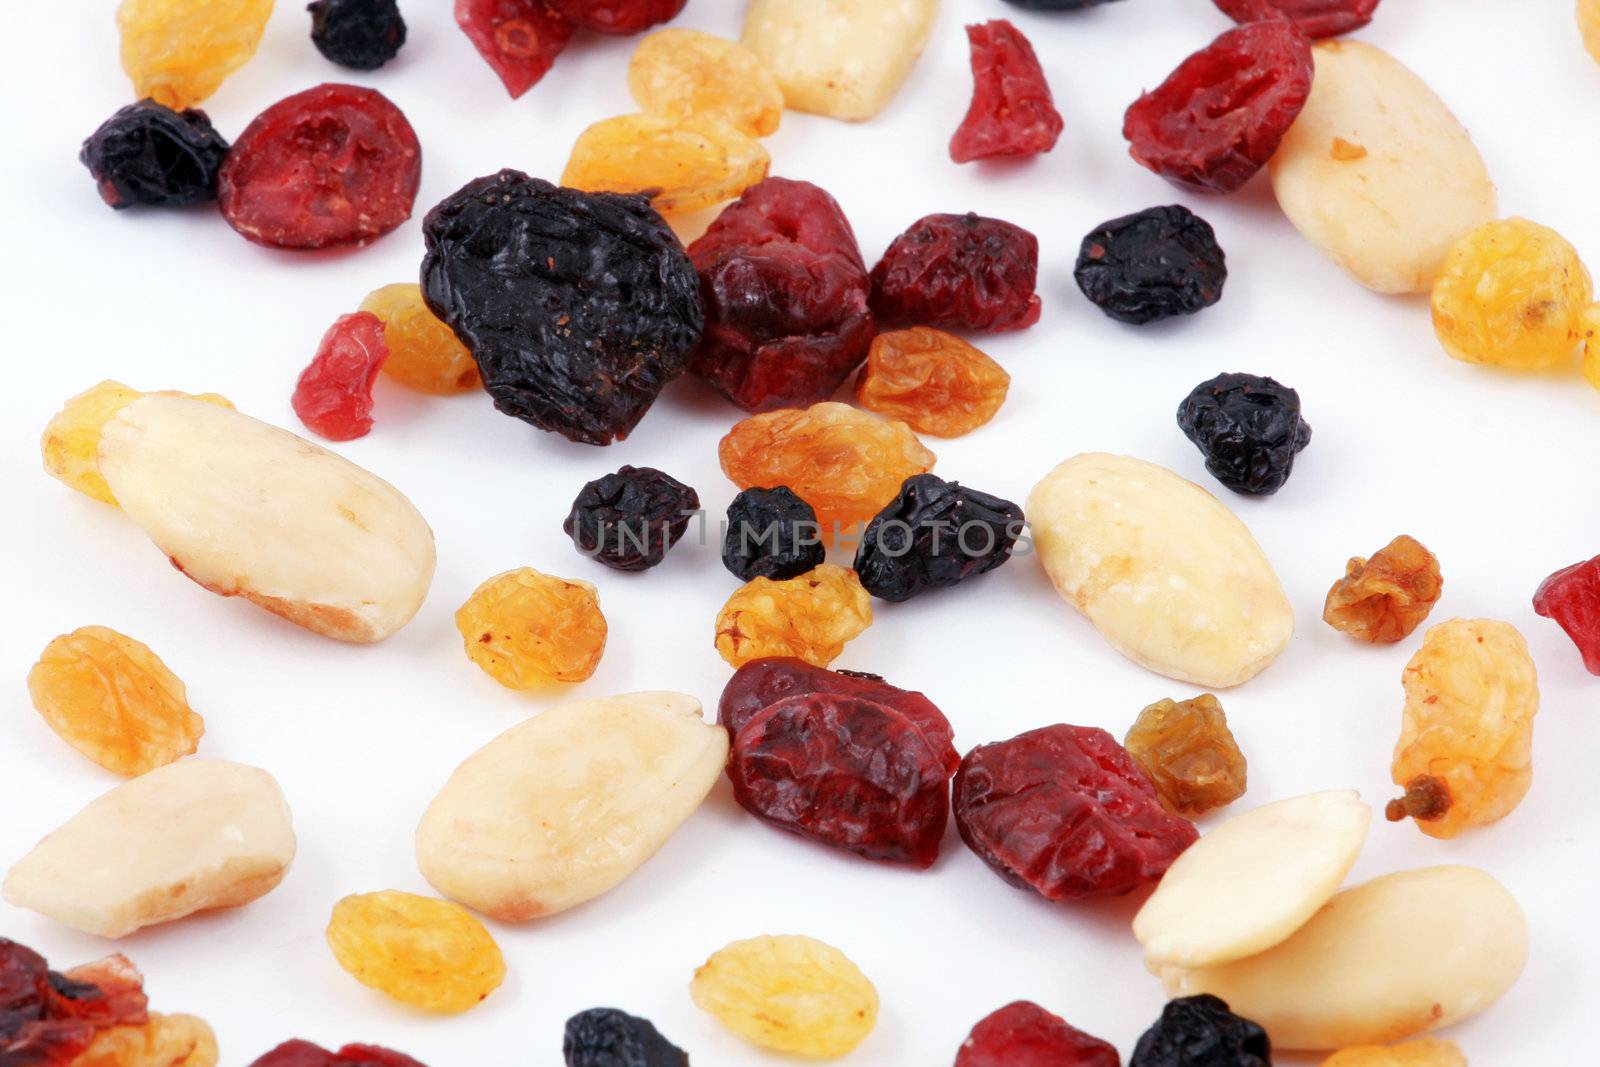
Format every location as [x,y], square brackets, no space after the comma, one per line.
[1493,471]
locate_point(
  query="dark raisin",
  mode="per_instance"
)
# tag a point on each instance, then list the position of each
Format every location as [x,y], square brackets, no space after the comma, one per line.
[1249,429]
[519,39]
[150,154]
[1055,5]
[1571,596]
[933,535]
[1153,264]
[299,1053]
[1316,18]
[631,519]
[771,533]
[1025,1035]
[606,1037]
[959,272]
[1200,1031]
[578,307]
[1012,112]
[359,34]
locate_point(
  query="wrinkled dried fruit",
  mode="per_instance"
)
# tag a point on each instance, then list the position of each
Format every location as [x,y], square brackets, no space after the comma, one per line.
[359,34]
[933,535]
[680,73]
[1189,753]
[423,352]
[527,629]
[333,166]
[149,154]
[1382,599]
[617,16]
[630,520]
[1316,18]
[1065,812]
[519,39]
[1218,118]
[788,993]
[162,1041]
[1590,367]
[606,1037]
[1200,1031]
[299,1053]
[1571,596]
[1465,754]
[811,617]
[1249,429]
[1424,1052]
[47,1019]
[1154,264]
[933,381]
[1589,26]
[1012,112]
[771,533]
[424,952]
[680,164]
[333,395]
[178,52]
[578,307]
[959,272]
[1022,1034]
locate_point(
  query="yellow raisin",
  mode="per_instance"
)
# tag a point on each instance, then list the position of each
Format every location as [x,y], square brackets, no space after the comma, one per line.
[683,164]
[788,993]
[424,353]
[680,73]
[1189,753]
[527,629]
[180,51]
[422,951]
[933,381]
[163,1041]
[1428,1052]
[1589,26]
[810,617]
[1382,599]
[1591,344]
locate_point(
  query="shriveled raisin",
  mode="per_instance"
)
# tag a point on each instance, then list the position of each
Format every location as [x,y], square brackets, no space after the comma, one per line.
[1424,1052]
[680,164]
[299,1053]
[1012,112]
[1248,428]
[423,352]
[333,395]
[1382,599]
[606,1037]
[810,617]
[933,381]
[359,34]
[1571,596]
[1316,18]
[428,953]
[617,16]
[1589,27]
[959,272]
[1200,1031]
[519,39]
[1022,1034]
[162,1041]
[788,993]
[933,535]
[771,533]
[1189,753]
[1154,264]
[630,520]
[679,73]
[149,154]
[178,52]
[1590,367]
[527,629]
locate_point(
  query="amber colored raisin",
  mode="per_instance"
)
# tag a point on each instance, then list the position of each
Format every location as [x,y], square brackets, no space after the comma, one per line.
[1022,1034]
[163,1041]
[299,1053]
[788,993]
[1012,112]
[424,353]
[680,164]
[679,73]
[425,952]
[1589,27]
[933,381]
[1590,326]
[1571,596]
[333,395]
[149,154]
[1382,599]
[178,52]
[1426,1052]
[959,272]
[1189,753]
[810,617]
[519,39]
[617,16]
[1316,18]
[527,629]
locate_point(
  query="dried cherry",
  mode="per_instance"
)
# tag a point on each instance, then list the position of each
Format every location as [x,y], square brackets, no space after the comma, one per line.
[148,153]
[1012,111]
[959,272]
[359,34]
[1200,1031]
[934,535]
[1249,429]
[617,16]
[519,39]
[334,394]
[48,1018]
[1571,596]
[1316,18]
[630,520]
[1154,264]
[606,1037]
[771,533]
[299,1053]
[1023,1034]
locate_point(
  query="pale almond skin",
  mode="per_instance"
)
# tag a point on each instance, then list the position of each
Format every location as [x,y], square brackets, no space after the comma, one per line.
[192,836]
[563,807]
[249,510]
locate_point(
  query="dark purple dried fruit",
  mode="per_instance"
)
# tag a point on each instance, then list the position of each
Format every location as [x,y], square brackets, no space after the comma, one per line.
[1249,429]
[359,34]
[1200,1031]
[631,519]
[959,272]
[933,535]
[1153,264]
[150,154]
[606,1037]
[771,533]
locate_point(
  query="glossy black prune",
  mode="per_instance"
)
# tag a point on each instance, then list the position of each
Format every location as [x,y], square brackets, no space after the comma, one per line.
[607,1037]
[631,519]
[1200,1031]
[150,154]
[933,535]
[359,34]
[578,307]
[1153,264]
[771,533]
[1248,428]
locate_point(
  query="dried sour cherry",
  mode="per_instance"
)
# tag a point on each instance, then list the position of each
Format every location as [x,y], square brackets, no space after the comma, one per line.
[149,154]
[771,533]
[1012,112]
[679,73]
[527,629]
[959,272]
[1022,1034]
[299,1053]
[431,954]
[617,16]
[333,396]
[1571,597]
[631,519]
[519,39]
[811,617]
[1316,18]
[933,535]
[1189,753]
[424,353]
[1248,428]
[933,381]
[1382,599]
[1153,264]
[359,34]
[788,993]
[607,1037]
[680,164]
[178,52]
[1200,1031]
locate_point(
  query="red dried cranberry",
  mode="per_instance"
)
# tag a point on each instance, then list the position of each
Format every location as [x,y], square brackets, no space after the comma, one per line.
[334,394]
[1316,18]
[299,1053]
[1571,596]
[1066,812]
[1218,118]
[959,272]
[48,1018]
[1025,1035]
[1012,112]
[618,16]
[519,39]
[785,292]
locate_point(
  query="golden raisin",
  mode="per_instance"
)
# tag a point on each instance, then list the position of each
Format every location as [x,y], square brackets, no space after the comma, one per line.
[788,993]
[180,51]
[1382,599]
[1511,293]
[424,353]
[1591,344]
[683,164]
[1589,26]
[422,951]
[527,629]
[112,699]
[933,381]
[163,1041]
[1187,750]
[1428,1052]
[810,617]
[680,73]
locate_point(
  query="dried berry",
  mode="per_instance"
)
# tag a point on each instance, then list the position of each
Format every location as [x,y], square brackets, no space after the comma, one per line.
[679,73]
[423,352]
[617,16]
[49,1019]
[579,307]
[785,292]
[606,1037]
[161,1041]
[1153,264]
[1218,118]
[1064,811]
[771,533]
[1382,599]
[333,395]
[178,52]
[359,34]
[810,617]
[1249,429]
[332,166]
[527,629]
[630,520]
[1012,112]
[1022,1034]
[959,272]
[1571,596]
[933,381]
[1200,1031]
[519,39]
[1055,5]
[1589,27]
[299,1053]
[680,164]
[1424,1052]
[788,993]
[1316,18]
[1189,753]
[933,535]
[149,154]
[421,951]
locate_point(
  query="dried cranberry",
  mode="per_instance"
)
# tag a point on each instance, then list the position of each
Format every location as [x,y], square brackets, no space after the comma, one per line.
[631,519]
[1316,18]
[299,1053]
[334,394]
[519,39]
[1066,812]
[1025,1035]
[959,272]
[48,1018]
[1571,596]
[1012,112]
[617,16]
[1218,118]
[334,165]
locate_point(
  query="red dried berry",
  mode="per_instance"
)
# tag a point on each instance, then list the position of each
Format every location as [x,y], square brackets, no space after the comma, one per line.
[334,394]
[1012,112]
[1571,596]
[959,272]
[618,16]
[1316,18]
[334,165]
[519,39]
[785,292]
[1218,118]
[299,1053]
[1023,1034]
[48,1018]
[1066,812]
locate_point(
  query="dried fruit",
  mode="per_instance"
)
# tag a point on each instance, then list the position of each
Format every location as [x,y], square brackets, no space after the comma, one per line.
[423,352]
[1589,26]
[333,166]
[1465,754]
[149,154]
[1315,18]
[810,617]
[299,1053]
[679,73]
[578,307]
[1249,429]
[1065,812]
[847,464]
[1200,1031]
[162,1041]
[1424,1052]
[785,292]
[1382,599]
[959,272]
[606,1037]
[178,52]
[933,381]
[359,34]
[788,993]
[1154,264]
[1571,596]
[519,39]
[1022,1034]
[333,395]
[630,520]
[1055,5]
[933,535]
[424,952]
[680,164]
[527,629]
[1189,753]
[1590,367]
[1218,118]
[771,533]
[1012,112]
[49,1018]
[617,16]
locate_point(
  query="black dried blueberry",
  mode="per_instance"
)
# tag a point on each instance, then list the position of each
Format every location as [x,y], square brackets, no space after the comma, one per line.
[1201,1032]
[606,1037]
[150,154]
[578,307]
[1249,429]
[935,534]
[359,34]
[1153,264]
[771,533]
[631,519]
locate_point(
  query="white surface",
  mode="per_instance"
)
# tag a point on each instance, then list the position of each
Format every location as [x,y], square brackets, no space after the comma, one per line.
[1492,471]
